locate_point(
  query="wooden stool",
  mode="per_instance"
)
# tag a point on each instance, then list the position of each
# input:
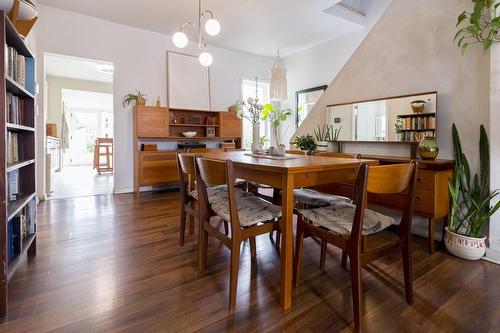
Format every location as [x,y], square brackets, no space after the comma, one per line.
[103,147]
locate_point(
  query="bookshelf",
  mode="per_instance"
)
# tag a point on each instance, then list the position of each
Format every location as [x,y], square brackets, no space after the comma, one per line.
[17,159]
[417,126]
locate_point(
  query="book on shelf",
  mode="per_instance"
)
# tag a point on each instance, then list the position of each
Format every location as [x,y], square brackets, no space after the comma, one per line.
[15,65]
[415,136]
[419,123]
[20,227]
[15,109]
[12,147]
[13,185]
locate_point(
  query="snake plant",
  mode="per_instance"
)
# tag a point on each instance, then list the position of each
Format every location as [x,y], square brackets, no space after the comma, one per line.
[471,195]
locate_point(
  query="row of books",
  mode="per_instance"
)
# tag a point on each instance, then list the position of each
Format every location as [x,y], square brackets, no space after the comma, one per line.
[419,123]
[415,136]
[15,65]
[13,153]
[19,228]
[15,109]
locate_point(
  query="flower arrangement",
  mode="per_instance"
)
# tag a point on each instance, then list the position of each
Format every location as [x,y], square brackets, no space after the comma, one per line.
[249,109]
[398,125]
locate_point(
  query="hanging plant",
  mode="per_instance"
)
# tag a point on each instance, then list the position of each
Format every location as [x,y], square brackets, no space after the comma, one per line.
[481,26]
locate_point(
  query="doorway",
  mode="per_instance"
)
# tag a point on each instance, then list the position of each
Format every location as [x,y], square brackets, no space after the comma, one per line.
[79,154]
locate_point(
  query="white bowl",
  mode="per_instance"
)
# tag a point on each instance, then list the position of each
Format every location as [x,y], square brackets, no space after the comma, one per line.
[189,134]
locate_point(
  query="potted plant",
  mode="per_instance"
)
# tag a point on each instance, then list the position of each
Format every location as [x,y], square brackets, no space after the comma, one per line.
[276,115]
[251,110]
[139,98]
[306,143]
[470,202]
[323,135]
[481,26]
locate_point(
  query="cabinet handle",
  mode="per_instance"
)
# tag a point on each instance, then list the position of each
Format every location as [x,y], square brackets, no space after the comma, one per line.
[419,179]
[418,197]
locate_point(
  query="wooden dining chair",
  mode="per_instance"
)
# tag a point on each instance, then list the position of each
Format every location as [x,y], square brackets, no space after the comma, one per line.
[189,194]
[248,217]
[362,233]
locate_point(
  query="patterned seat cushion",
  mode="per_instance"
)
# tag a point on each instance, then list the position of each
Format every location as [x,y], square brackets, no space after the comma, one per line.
[251,210]
[314,198]
[218,193]
[339,217]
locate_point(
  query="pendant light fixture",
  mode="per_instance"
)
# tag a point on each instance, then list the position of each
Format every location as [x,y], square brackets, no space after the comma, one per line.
[278,84]
[212,28]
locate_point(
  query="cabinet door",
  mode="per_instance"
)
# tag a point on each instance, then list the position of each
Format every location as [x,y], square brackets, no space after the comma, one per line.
[151,122]
[230,125]
[158,168]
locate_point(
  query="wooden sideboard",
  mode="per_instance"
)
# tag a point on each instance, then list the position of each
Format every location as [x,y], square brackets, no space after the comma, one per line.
[153,124]
[432,199]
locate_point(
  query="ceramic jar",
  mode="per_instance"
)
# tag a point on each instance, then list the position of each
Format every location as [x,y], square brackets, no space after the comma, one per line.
[428,148]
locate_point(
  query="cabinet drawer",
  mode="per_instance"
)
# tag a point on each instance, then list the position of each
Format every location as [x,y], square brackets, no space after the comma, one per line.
[425,201]
[426,180]
[158,168]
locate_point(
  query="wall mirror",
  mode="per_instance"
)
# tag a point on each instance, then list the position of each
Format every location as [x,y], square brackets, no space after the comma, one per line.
[305,101]
[407,118]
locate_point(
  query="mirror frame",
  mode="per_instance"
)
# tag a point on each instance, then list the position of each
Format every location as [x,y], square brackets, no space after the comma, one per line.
[297,93]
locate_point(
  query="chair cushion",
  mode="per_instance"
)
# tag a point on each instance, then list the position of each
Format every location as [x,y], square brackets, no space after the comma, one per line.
[218,193]
[315,198]
[339,217]
[251,210]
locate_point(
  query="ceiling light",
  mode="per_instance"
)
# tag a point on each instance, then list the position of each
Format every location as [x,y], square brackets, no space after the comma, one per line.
[212,27]
[206,59]
[180,39]
[278,83]
[106,69]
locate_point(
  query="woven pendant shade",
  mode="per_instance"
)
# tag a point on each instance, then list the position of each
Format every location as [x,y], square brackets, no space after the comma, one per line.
[278,84]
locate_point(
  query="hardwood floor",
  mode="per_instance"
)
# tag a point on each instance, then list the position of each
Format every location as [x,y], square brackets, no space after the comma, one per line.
[113,263]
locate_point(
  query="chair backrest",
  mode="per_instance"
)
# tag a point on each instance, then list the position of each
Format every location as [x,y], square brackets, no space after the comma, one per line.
[211,172]
[296,152]
[385,180]
[340,155]
[187,174]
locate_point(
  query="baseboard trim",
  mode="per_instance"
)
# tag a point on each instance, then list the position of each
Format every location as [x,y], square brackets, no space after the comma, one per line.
[492,256]
[123,190]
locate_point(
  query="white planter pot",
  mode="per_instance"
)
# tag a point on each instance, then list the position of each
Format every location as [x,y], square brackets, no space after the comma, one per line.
[322,145]
[465,247]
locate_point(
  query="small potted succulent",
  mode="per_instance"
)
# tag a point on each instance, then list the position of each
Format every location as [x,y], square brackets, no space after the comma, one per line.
[306,143]
[323,135]
[138,98]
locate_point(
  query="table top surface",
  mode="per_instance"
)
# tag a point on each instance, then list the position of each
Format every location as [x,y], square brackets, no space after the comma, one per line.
[298,163]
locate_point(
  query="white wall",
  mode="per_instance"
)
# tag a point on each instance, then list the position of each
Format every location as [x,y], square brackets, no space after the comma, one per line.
[139,57]
[321,64]
[54,87]
[494,227]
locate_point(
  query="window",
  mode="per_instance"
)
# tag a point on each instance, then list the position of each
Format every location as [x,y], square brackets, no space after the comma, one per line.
[250,88]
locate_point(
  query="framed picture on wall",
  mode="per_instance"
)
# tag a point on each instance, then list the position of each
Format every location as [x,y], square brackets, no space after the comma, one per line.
[210,132]
[188,82]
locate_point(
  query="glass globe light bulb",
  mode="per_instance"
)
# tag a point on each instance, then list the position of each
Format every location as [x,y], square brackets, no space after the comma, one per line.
[180,39]
[212,27]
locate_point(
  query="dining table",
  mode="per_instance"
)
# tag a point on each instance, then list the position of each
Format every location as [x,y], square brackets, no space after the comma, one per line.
[288,173]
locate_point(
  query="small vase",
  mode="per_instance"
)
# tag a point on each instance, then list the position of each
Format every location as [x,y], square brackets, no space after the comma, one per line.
[277,150]
[428,148]
[255,137]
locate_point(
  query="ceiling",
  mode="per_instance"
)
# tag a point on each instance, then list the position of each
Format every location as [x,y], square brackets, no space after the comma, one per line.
[256,26]
[88,100]
[75,68]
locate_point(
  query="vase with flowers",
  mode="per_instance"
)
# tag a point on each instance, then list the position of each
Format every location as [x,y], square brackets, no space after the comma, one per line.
[276,115]
[251,110]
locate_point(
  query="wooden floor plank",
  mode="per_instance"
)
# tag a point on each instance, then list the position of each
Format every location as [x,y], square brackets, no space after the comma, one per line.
[113,264]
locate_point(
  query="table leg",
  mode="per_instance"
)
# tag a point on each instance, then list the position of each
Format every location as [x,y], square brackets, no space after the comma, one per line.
[287,241]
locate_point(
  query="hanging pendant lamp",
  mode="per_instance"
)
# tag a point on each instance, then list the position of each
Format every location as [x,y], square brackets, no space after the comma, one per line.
[278,84]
